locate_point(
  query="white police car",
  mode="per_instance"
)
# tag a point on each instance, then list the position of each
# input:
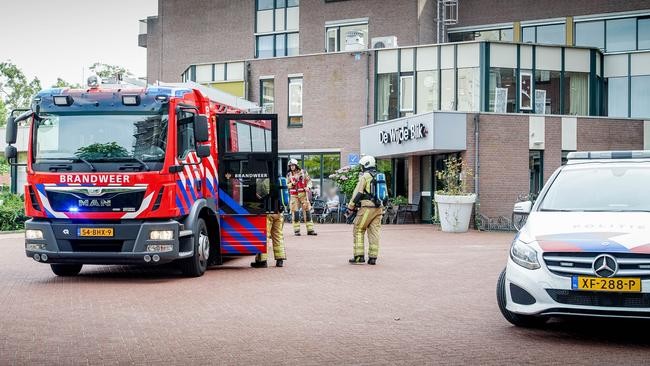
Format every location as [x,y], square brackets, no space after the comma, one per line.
[585,246]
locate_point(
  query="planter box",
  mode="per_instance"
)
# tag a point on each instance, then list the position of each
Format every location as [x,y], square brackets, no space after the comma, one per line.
[455,212]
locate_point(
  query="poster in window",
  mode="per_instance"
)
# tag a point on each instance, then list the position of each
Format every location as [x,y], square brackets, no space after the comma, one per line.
[540,101]
[500,100]
[525,93]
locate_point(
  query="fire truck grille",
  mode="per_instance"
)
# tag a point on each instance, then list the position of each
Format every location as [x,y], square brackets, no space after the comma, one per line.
[127,201]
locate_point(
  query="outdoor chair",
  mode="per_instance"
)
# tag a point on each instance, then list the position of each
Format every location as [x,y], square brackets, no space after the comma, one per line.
[411,210]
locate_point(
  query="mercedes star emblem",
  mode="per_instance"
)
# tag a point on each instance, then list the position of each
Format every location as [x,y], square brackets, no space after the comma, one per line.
[605,265]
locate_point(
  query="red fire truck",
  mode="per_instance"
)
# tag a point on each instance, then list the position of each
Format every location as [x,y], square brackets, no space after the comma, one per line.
[145,175]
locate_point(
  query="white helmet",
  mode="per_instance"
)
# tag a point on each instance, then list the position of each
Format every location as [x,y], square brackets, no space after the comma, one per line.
[292,162]
[367,162]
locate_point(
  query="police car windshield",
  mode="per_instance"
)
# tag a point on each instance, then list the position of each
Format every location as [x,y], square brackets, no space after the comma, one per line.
[607,188]
[99,137]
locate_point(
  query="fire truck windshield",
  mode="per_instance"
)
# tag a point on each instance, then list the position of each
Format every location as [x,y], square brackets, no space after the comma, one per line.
[100,137]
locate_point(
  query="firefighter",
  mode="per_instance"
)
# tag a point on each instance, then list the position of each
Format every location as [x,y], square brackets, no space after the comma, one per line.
[369,213]
[274,226]
[299,183]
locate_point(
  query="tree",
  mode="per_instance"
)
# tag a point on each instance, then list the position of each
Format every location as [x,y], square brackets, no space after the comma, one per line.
[15,90]
[60,83]
[106,71]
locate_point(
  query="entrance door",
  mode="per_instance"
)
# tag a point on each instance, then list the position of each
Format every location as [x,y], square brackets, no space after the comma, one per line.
[248,176]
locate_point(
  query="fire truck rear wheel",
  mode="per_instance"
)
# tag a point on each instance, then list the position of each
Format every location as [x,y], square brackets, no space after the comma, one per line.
[66,270]
[198,263]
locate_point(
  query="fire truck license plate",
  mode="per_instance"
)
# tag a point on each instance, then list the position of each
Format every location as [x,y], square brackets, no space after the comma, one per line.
[627,284]
[95,231]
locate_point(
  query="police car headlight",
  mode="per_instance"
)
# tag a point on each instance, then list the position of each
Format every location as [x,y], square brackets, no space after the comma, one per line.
[524,255]
[34,234]
[161,235]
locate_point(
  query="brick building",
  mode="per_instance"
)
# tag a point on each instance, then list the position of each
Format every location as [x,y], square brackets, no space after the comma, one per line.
[538,78]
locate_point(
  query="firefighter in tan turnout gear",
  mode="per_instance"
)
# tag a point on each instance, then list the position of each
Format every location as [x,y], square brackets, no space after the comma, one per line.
[274,225]
[368,217]
[299,183]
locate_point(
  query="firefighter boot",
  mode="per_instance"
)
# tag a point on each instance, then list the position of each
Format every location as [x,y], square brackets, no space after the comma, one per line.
[358,259]
[257,264]
[279,263]
[372,261]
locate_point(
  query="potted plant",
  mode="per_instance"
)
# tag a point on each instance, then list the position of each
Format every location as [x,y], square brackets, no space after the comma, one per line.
[454,203]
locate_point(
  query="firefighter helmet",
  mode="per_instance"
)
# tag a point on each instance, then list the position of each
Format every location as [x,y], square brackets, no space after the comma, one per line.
[367,162]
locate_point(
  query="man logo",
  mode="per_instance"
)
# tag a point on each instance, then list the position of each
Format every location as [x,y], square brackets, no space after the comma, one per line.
[94,203]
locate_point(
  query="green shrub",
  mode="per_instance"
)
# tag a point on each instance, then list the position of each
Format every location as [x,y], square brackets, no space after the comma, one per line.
[12,211]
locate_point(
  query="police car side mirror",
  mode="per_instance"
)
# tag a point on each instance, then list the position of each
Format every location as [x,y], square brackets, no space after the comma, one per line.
[520,213]
[200,128]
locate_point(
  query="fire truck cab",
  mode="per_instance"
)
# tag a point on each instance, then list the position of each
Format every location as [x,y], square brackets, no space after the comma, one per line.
[145,175]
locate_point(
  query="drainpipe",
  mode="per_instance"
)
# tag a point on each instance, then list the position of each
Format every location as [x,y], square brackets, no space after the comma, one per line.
[368,54]
[477,165]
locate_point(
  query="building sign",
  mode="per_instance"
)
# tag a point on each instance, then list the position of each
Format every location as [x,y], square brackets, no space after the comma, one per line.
[403,133]
[353,159]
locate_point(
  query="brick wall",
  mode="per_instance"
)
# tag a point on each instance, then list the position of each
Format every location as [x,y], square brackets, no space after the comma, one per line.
[480,12]
[334,99]
[553,145]
[609,134]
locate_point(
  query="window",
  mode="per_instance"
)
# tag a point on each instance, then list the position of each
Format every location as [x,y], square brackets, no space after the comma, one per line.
[590,34]
[355,35]
[185,138]
[319,166]
[617,97]
[267,95]
[276,27]
[502,90]
[469,91]
[621,34]
[249,136]
[482,35]
[536,170]
[386,96]
[448,96]
[547,92]
[643,33]
[544,34]
[295,102]
[576,93]
[640,88]
[427,91]
[406,94]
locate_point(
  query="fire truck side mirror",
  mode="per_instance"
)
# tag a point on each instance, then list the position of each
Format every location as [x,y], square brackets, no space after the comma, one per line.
[202,151]
[200,128]
[11,153]
[12,130]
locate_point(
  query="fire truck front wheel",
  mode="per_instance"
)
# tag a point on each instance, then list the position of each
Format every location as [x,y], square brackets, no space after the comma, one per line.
[196,265]
[66,270]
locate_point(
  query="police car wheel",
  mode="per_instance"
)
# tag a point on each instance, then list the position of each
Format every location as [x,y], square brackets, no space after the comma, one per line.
[66,270]
[196,265]
[525,321]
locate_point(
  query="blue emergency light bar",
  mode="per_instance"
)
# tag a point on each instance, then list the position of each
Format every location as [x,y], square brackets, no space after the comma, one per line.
[587,155]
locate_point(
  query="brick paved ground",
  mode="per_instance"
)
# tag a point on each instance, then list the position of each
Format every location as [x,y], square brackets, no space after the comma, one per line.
[429,301]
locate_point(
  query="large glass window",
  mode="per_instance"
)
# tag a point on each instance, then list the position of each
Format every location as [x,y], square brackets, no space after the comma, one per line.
[276,26]
[621,34]
[387,86]
[590,34]
[295,102]
[576,93]
[469,89]
[544,34]
[267,95]
[536,170]
[617,97]
[483,35]
[643,33]
[355,35]
[427,91]
[319,166]
[448,92]
[502,90]
[406,94]
[547,92]
[640,98]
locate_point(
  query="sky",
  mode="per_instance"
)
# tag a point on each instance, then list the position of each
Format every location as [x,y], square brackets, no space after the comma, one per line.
[62,38]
